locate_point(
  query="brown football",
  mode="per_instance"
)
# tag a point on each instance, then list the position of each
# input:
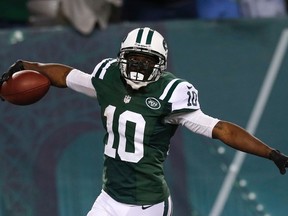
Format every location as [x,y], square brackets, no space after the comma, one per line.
[25,87]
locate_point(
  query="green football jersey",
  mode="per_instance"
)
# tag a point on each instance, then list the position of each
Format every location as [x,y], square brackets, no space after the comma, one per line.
[137,139]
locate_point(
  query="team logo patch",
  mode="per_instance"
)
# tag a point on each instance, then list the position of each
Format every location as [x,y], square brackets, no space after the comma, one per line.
[165,45]
[153,103]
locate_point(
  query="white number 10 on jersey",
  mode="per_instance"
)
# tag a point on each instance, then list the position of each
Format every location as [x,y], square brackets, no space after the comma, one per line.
[127,116]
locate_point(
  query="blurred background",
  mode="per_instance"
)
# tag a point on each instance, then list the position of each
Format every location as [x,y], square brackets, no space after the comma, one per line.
[233,51]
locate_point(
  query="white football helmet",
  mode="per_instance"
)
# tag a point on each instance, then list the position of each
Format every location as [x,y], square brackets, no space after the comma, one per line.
[144,41]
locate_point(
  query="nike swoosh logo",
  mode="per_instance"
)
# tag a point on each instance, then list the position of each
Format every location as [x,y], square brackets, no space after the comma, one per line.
[146,206]
[189,87]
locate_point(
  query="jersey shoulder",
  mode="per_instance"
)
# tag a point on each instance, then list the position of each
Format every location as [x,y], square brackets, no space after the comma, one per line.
[181,94]
[103,67]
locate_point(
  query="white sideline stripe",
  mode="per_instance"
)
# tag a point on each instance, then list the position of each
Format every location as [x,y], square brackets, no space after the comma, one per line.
[252,125]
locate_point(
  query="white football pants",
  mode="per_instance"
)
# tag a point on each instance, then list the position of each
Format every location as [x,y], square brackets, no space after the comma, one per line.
[107,206]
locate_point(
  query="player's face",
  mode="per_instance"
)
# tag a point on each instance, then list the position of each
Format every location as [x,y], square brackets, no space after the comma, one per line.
[140,66]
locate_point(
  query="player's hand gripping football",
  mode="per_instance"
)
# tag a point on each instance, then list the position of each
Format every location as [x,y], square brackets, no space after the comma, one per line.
[17,66]
[280,160]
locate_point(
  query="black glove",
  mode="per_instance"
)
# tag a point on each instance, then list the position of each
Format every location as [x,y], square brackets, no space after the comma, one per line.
[17,66]
[280,160]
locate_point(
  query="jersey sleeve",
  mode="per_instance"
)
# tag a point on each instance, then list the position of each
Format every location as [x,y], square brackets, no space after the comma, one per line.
[184,98]
[81,82]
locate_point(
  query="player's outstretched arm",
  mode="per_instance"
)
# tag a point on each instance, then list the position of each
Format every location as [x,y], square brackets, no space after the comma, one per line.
[56,73]
[240,139]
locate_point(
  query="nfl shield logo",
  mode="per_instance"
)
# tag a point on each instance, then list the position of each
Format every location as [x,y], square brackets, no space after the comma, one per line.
[127,99]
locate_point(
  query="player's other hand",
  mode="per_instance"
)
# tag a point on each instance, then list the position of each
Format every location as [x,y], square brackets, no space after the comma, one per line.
[17,66]
[280,160]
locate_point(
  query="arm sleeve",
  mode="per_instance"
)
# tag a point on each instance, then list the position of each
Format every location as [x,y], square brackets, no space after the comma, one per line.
[196,121]
[81,82]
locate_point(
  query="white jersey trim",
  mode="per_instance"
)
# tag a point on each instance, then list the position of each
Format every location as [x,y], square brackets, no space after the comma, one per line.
[81,82]
[103,71]
[166,90]
[98,66]
[196,121]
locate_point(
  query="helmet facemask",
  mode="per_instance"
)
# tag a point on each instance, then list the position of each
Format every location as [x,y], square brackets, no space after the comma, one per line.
[139,69]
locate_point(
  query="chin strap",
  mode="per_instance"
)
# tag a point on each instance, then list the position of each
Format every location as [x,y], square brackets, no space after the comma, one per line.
[136,84]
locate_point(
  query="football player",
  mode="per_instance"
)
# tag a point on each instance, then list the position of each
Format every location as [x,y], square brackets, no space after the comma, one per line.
[142,105]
